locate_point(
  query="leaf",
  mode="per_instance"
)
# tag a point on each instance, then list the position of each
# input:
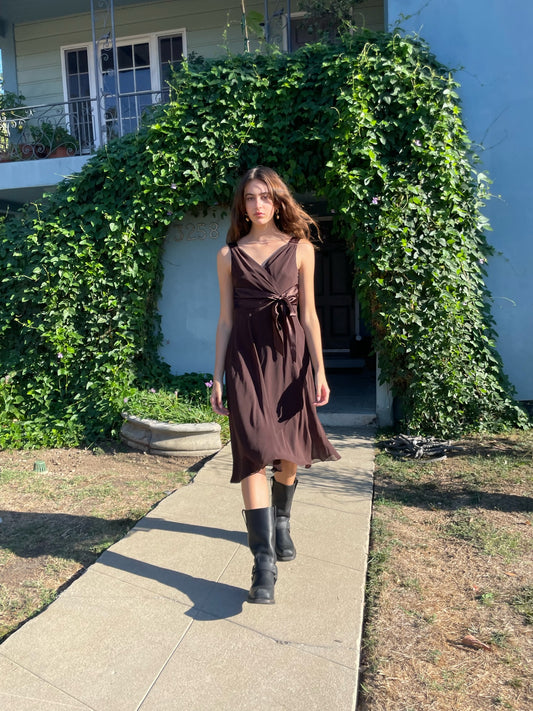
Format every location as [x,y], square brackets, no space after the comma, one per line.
[470,641]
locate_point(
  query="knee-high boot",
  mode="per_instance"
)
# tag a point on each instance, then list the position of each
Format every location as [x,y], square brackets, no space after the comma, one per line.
[282,497]
[261,537]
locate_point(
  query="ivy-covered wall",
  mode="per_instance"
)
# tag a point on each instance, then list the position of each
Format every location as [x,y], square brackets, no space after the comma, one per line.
[489,44]
[372,126]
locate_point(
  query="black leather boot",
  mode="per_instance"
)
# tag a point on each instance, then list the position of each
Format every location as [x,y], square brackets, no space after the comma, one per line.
[282,497]
[261,536]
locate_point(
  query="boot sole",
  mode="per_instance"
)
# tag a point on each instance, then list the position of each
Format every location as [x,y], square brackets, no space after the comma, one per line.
[261,602]
[285,559]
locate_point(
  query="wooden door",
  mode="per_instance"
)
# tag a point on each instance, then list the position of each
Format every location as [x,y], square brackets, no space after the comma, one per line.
[335,296]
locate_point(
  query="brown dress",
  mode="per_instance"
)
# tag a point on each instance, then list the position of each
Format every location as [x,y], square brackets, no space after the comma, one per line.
[269,378]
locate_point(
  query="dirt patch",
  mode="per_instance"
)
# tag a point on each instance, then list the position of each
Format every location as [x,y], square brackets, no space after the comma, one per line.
[449,623]
[53,524]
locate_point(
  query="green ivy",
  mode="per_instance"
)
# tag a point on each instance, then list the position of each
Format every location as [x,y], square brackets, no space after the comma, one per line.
[373,126]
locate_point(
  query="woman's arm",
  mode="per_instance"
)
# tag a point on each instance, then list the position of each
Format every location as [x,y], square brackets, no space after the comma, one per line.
[309,318]
[225,324]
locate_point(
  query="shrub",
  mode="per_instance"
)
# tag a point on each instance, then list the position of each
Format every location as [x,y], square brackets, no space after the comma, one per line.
[372,125]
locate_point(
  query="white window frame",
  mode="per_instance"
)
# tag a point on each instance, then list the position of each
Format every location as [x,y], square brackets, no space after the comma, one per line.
[151,38]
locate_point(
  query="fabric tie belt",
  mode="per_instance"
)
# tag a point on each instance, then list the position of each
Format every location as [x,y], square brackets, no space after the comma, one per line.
[283,309]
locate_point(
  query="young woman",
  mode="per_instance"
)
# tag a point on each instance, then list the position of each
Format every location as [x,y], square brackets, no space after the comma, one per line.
[268,336]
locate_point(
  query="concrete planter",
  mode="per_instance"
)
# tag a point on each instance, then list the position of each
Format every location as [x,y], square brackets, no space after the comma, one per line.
[171,440]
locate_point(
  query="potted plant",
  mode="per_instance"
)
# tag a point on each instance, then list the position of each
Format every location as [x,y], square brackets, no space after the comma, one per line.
[53,141]
[171,423]
[9,102]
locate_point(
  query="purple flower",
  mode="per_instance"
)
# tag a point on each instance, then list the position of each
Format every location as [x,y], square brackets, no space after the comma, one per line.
[417,142]
[209,384]
[152,390]
[60,355]
[375,200]
[126,399]
[169,212]
[173,186]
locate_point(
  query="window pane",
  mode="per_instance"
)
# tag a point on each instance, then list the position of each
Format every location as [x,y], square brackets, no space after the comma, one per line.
[85,89]
[165,49]
[170,56]
[142,55]
[144,101]
[128,107]
[165,74]
[142,80]
[125,57]
[126,82]
[110,86]
[129,125]
[72,62]
[177,48]
[108,63]
[83,62]
[73,88]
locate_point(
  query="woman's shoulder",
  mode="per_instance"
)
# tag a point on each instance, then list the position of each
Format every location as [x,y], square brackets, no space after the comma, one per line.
[305,245]
[305,252]
[224,257]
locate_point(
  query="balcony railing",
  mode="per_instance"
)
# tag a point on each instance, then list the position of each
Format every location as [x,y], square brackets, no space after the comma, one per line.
[72,128]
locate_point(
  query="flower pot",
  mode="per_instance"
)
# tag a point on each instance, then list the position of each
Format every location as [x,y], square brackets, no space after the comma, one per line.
[62,152]
[31,151]
[169,439]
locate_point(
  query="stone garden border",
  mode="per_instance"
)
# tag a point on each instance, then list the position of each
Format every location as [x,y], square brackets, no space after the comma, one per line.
[169,439]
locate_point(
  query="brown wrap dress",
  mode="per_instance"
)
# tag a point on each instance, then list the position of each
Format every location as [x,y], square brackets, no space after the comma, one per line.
[269,379]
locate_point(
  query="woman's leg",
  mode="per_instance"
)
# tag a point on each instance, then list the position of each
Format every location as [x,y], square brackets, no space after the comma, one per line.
[255,491]
[284,484]
[260,522]
[285,472]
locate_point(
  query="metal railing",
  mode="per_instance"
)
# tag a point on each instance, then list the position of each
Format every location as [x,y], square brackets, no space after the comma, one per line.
[72,128]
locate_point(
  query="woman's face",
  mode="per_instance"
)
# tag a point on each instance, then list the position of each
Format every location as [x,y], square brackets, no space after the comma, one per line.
[259,206]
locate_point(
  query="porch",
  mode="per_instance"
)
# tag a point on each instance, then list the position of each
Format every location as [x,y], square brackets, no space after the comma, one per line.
[40,145]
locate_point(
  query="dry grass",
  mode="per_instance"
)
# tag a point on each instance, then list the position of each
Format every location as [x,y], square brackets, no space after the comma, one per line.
[55,524]
[451,559]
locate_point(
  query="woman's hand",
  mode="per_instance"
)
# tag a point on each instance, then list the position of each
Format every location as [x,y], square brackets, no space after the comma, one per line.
[216,399]
[322,391]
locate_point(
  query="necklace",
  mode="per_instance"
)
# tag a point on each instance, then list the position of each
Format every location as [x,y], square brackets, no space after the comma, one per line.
[270,241]
[267,241]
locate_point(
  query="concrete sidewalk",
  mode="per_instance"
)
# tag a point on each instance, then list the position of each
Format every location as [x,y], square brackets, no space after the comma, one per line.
[160,622]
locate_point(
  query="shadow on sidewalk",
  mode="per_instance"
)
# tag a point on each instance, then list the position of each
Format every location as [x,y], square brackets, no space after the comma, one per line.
[67,536]
[217,600]
[161,524]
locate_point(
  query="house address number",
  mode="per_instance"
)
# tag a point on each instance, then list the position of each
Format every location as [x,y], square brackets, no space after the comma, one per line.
[195,231]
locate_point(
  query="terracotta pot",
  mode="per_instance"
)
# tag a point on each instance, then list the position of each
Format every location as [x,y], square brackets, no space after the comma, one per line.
[61,152]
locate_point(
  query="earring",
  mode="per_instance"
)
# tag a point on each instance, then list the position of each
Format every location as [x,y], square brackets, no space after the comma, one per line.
[277,214]
[246,218]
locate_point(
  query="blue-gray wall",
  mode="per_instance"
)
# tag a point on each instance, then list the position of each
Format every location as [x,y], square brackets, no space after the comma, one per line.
[189,303]
[490,41]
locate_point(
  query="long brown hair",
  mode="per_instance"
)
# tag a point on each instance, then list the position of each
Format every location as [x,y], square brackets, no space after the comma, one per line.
[290,218]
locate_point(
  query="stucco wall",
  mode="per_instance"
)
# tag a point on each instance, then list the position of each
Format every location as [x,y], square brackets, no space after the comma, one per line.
[490,42]
[189,301]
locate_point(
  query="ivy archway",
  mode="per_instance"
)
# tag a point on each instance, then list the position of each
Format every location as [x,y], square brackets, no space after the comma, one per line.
[372,126]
